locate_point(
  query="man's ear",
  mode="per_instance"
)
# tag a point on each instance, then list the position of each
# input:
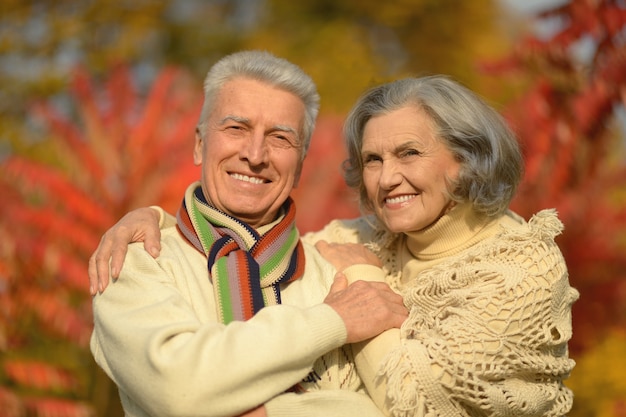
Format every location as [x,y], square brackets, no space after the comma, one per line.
[298,173]
[197,149]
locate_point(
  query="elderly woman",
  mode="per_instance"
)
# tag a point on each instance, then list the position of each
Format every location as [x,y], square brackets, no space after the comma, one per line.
[489,298]
[488,292]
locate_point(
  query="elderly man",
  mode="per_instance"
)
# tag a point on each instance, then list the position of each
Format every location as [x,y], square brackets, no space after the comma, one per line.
[233,315]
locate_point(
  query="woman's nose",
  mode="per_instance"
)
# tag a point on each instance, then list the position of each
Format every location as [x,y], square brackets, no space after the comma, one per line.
[390,176]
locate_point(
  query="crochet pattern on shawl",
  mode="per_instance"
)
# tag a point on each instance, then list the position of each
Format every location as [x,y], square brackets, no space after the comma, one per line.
[488,330]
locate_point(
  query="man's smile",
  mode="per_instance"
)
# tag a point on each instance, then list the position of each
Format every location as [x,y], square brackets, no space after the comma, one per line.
[246,178]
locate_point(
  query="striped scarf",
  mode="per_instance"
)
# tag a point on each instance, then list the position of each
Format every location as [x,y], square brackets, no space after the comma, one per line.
[246,269]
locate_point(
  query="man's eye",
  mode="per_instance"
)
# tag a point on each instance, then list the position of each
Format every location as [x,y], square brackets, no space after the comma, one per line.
[235,130]
[282,141]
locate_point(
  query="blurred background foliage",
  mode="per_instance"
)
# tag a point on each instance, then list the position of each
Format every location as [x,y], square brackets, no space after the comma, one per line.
[345,45]
[98,101]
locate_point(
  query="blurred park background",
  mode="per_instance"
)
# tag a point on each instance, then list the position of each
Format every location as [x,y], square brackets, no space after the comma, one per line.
[99,100]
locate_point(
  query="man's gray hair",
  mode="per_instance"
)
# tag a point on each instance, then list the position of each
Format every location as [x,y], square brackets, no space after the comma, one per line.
[265,67]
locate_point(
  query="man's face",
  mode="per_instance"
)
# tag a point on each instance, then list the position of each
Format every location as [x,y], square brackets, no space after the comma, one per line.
[251,150]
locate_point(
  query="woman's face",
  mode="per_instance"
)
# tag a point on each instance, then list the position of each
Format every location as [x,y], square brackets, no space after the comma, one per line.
[406,169]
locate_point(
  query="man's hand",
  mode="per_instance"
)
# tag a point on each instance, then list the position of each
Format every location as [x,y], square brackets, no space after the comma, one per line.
[140,225]
[367,308]
[343,255]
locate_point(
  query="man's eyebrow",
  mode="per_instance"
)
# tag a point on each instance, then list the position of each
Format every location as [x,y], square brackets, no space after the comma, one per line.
[287,129]
[234,118]
[246,121]
[239,119]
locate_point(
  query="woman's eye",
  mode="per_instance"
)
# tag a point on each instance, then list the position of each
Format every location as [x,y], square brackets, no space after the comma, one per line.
[371,159]
[410,152]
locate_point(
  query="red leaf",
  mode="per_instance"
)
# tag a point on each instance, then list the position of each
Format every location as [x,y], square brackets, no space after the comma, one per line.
[55,407]
[39,375]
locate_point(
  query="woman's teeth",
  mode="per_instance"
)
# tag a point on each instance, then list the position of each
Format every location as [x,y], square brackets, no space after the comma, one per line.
[400,199]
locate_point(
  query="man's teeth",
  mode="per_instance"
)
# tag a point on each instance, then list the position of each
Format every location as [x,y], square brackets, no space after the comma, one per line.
[400,199]
[246,178]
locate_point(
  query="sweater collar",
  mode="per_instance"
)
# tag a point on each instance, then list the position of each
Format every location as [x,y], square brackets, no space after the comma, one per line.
[456,230]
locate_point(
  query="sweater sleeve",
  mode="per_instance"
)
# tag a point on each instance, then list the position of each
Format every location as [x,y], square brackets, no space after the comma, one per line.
[327,403]
[165,219]
[370,354]
[341,231]
[152,338]
[487,332]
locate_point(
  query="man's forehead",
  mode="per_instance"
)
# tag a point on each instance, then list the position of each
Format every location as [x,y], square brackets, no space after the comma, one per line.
[250,101]
[247,121]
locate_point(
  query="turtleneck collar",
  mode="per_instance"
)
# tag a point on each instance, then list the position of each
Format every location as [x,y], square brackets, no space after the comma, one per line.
[456,230]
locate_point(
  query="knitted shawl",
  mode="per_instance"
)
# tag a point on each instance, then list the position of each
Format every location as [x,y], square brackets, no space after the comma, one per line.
[488,326]
[488,330]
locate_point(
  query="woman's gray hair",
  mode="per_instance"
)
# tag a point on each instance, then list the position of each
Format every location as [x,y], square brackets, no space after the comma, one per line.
[475,133]
[265,67]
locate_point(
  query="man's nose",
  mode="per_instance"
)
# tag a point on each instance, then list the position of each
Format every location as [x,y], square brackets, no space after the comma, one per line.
[256,151]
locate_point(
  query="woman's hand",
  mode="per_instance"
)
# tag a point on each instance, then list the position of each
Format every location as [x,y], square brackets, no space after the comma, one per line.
[343,255]
[255,412]
[140,225]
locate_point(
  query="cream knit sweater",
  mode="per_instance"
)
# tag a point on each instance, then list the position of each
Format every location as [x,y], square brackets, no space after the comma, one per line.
[490,316]
[157,336]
